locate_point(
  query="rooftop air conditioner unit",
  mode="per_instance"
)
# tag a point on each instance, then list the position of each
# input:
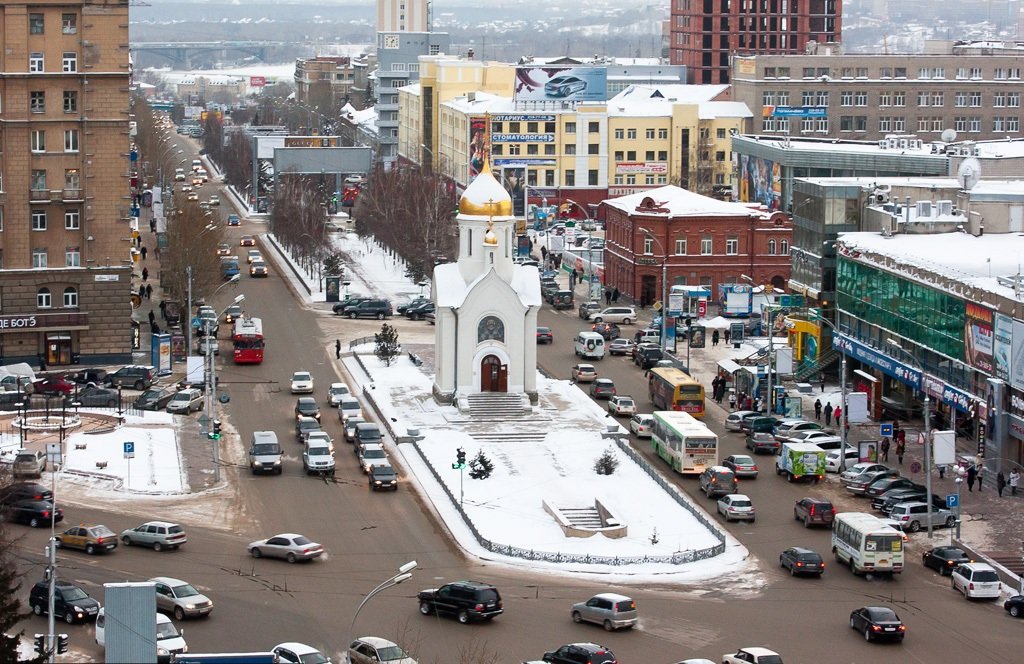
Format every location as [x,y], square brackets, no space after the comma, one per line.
[880,197]
[924,209]
[884,188]
[945,208]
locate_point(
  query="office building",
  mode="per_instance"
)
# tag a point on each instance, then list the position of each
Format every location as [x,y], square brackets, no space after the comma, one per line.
[325,82]
[403,16]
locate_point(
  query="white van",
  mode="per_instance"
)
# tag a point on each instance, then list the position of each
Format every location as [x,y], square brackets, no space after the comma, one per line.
[589,345]
[169,639]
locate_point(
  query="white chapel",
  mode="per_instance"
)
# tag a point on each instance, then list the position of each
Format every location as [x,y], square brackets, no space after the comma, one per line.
[486,305]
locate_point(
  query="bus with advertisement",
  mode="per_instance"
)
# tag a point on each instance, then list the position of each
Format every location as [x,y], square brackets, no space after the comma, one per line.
[867,544]
[684,443]
[673,389]
[248,341]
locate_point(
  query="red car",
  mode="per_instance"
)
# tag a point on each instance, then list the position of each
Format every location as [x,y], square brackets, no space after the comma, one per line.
[54,385]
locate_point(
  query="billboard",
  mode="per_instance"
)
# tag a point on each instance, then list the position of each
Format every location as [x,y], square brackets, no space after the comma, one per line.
[513,178]
[257,81]
[760,181]
[477,145]
[978,336]
[1017,356]
[561,84]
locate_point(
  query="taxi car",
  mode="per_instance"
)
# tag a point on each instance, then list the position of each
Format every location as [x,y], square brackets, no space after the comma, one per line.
[91,538]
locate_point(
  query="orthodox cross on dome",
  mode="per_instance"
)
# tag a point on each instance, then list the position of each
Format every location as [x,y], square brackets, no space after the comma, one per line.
[490,237]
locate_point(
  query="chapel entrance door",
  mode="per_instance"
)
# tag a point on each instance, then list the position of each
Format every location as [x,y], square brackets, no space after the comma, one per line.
[493,375]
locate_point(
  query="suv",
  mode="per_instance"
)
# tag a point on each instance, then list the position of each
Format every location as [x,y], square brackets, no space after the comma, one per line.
[581,653]
[976,580]
[303,426]
[368,433]
[159,535]
[265,453]
[135,376]
[69,602]
[383,477]
[588,308]
[610,610]
[911,516]
[718,481]
[466,600]
[620,315]
[647,355]
[814,511]
[317,456]
[379,309]
[29,464]
[24,491]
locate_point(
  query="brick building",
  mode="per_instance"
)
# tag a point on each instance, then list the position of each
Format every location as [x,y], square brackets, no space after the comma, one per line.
[709,242]
[706,34]
[65,271]
[324,80]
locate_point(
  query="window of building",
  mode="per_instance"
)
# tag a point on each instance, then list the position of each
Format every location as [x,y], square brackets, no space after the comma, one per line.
[72,220]
[649,134]
[592,177]
[938,98]
[43,297]
[72,258]
[732,245]
[35,63]
[885,124]
[38,220]
[649,155]
[862,72]
[70,140]
[961,73]
[663,134]
[514,128]
[549,178]
[497,149]
[37,101]
[70,297]
[594,127]
[846,98]
[39,257]
[705,245]
[619,155]
[974,124]
[783,97]
[648,179]
[513,149]
[570,178]
[37,140]
[570,127]
[35,24]
[923,123]
[771,247]
[1013,124]
[923,98]
[69,24]
[998,100]
[845,72]
[531,127]
[769,72]
[939,72]
[681,247]
[853,123]
[435,49]
[720,155]
[620,134]
[899,124]
[630,155]
[620,179]
[69,63]
[785,247]
[899,98]
[39,180]
[662,155]
[631,134]
[998,124]
[549,127]
[549,149]
[975,99]
[662,179]
[1014,73]
[900,72]
[570,148]
[648,245]
[860,99]
[975,73]
[532,149]
[631,178]
[783,72]
[923,72]
[593,148]
[1013,100]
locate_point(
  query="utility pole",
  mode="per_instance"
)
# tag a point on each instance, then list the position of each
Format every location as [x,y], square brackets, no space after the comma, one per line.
[188,313]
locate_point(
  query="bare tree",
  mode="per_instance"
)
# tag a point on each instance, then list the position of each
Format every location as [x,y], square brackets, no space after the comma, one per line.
[192,238]
[298,219]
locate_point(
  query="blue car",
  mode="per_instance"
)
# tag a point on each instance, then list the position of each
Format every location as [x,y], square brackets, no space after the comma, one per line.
[233,220]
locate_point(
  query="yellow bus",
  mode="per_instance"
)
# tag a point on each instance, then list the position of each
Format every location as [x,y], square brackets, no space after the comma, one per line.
[674,389]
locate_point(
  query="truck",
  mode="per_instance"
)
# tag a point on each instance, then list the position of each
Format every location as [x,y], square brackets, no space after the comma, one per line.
[801,461]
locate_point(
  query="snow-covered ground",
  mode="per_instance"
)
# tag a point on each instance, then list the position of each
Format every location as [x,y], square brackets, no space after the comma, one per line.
[156,467]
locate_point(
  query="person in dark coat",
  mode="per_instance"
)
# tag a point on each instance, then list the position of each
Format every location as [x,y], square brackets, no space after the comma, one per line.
[142,292]
[144,251]
[1000,483]
[714,338]
[727,334]
[972,475]
[885,451]
[828,414]
[817,409]
[152,317]
[901,448]
[607,296]
[822,382]
[615,295]
[149,291]
[145,274]
[154,328]
[337,349]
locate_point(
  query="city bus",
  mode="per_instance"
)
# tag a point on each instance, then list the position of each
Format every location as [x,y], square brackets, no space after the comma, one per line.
[686,444]
[247,337]
[867,544]
[674,389]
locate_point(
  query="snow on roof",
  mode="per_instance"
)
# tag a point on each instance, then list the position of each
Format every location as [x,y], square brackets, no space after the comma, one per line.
[1005,149]
[482,102]
[451,290]
[678,202]
[412,88]
[975,261]
[838,145]
[997,190]
[871,180]
[710,110]
[679,93]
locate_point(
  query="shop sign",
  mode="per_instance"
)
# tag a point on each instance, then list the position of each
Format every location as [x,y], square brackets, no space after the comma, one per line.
[1016,427]
[641,167]
[522,118]
[873,358]
[957,398]
[522,138]
[15,322]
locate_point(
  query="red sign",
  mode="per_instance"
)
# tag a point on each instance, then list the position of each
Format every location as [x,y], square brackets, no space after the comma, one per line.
[702,308]
[257,81]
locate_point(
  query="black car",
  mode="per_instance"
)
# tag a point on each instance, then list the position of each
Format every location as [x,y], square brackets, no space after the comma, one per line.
[379,309]
[893,497]
[878,622]
[1015,606]
[647,355]
[466,600]
[136,376]
[155,398]
[943,559]
[35,513]
[383,478]
[69,602]
[340,307]
[883,484]
[860,483]
[405,306]
[87,376]
[95,397]
[24,491]
[799,560]
[544,335]
[307,407]
[607,330]
[419,311]
[581,653]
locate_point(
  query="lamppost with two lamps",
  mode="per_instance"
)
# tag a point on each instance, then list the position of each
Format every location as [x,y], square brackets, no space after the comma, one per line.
[664,293]
[927,432]
[213,428]
[404,574]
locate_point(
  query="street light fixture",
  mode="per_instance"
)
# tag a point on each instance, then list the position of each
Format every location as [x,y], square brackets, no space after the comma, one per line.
[211,393]
[404,574]
[927,430]
[771,352]
[664,292]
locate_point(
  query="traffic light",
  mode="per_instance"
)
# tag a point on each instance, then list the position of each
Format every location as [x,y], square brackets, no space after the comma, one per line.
[215,434]
[62,643]
[460,455]
[40,644]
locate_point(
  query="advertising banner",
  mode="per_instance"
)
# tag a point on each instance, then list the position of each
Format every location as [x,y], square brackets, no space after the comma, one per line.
[514,180]
[477,145]
[561,84]
[884,363]
[333,288]
[1017,356]
[760,181]
[160,353]
[1002,338]
[257,81]
[178,348]
[641,167]
[978,336]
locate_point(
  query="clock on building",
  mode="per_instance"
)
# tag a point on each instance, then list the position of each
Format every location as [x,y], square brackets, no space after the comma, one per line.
[390,41]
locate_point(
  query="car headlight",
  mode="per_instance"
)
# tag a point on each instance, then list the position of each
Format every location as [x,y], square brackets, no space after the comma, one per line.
[190,606]
[162,651]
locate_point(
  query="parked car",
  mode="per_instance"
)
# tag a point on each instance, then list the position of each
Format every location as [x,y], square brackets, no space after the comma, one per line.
[620,405]
[762,442]
[893,497]
[817,436]
[581,653]
[16,384]
[288,546]
[787,428]
[383,478]
[814,511]
[60,385]
[620,315]
[621,346]
[28,463]
[880,485]
[834,461]
[155,398]
[91,538]
[545,336]
[642,424]
[858,469]
[1015,606]
[584,373]
[736,507]
[914,516]
[610,610]
[800,560]
[307,407]
[602,388]
[34,513]
[186,401]
[158,535]
[741,464]
[878,622]
[752,655]
[943,559]
[12,493]
[302,382]
[70,602]
[137,376]
[379,309]
[976,580]
[420,311]
[375,650]
[340,307]
[404,306]
[734,420]
[299,653]
[468,601]
[607,330]
[89,376]
[214,200]
[180,599]
[859,484]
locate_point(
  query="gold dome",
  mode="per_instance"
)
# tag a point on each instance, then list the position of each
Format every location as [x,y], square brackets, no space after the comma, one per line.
[485,197]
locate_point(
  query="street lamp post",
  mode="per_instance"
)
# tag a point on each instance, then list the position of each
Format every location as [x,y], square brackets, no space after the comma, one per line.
[927,433]
[404,574]
[844,414]
[664,293]
[211,393]
[771,354]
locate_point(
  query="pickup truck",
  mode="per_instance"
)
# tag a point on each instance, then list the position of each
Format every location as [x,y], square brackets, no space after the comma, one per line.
[801,461]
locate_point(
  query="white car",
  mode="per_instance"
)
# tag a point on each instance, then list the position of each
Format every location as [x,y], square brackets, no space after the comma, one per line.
[832,459]
[733,419]
[335,394]
[321,435]
[621,405]
[299,653]
[620,315]
[736,507]
[186,401]
[752,655]
[214,200]
[371,455]
[302,382]
[976,580]
[857,469]
[642,424]
[349,407]
[375,650]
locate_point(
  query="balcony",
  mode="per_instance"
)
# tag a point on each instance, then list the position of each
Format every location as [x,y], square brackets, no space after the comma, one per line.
[73,196]
[39,196]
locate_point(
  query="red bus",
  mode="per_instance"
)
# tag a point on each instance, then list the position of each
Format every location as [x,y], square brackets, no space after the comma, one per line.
[247,338]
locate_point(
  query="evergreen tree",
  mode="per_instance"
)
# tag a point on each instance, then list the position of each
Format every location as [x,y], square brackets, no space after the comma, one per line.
[606,463]
[387,344]
[10,603]
[480,467]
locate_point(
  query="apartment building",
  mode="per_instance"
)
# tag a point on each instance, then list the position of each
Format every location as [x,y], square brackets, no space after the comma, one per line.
[973,89]
[324,81]
[403,16]
[65,233]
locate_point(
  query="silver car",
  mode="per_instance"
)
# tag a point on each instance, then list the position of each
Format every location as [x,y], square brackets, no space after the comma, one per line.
[371,455]
[289,546]
[180,598]
[159,535]
[186,401]
[610,610]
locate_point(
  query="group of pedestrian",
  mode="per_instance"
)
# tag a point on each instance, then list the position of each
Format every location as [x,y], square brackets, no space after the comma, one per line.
[1002,483]
[145,291]
[718,387]
[611,296]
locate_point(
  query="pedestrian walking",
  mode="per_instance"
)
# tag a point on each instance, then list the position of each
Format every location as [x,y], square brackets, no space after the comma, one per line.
[817,409]
[152,317]
[823,382]
[144,251]
[942,471]
[1000,483]
[152,225]
[142,291]
[544,254]
[714,338]
[901,449]
[42,362]
[615,295]
[972,475]
[337,349]
[727,333]
[163,309]
[1013,481]
[149,291]
[154,328]
[981,474]
[607,296]
[145,274]
[885,449]
[828,414]
[838,414]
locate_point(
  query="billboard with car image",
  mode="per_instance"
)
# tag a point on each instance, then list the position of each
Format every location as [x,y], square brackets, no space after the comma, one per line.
[561,84]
